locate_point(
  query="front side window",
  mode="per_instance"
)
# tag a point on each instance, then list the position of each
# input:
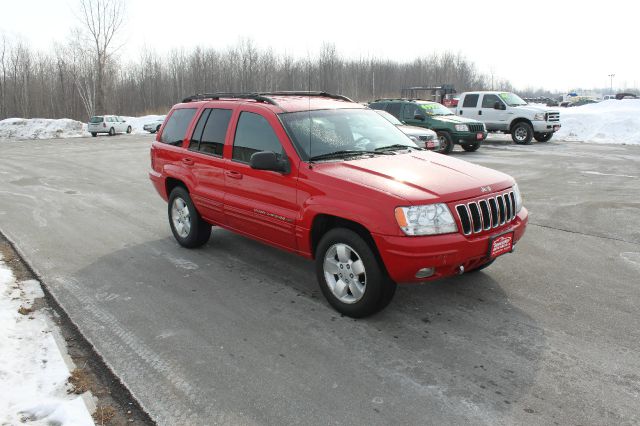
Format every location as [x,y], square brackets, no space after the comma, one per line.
[394,109]
[175,129]
[410,111]
[489,101]
[254,134]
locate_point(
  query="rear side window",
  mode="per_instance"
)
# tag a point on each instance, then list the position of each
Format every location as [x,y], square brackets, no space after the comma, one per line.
[175,129]
[470,101]
[394,109]
[376,105]
[209,134]
[489,101]
[96,119]
[254,134]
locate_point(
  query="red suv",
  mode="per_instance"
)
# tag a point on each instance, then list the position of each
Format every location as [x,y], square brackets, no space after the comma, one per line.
[329,179]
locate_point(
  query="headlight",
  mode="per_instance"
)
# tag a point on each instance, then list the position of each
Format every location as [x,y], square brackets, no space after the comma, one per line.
[518,197]
[539,116]
[462,127]
[413,138]
[430,219]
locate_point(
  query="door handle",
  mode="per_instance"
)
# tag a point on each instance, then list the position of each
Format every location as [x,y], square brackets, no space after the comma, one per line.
[460,112]
[187,161]
[233,174]
[480,112]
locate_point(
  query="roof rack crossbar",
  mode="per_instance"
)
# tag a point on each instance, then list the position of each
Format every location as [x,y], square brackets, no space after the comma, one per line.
[262,96]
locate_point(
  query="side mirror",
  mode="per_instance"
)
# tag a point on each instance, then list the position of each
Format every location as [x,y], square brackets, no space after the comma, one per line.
[418,117]
[268,160]
[499,105]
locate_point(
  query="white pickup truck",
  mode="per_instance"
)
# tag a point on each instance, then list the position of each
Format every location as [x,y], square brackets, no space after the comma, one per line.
[508,113]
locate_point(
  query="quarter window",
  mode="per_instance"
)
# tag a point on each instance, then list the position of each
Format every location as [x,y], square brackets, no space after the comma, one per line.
[175,129]
[254,134]
[470,101]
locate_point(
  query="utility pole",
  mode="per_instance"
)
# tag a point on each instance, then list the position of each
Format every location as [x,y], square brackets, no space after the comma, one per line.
[611,86]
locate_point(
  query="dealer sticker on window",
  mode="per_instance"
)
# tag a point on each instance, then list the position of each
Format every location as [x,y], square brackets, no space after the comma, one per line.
[500,245]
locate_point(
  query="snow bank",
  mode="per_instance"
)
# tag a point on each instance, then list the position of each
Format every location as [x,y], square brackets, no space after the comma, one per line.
[32,369]
[41,128]
[612,121]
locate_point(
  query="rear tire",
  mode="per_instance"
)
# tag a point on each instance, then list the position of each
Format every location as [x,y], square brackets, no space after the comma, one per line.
[94,134]
[446,143]
[543,137]
[350,275]
[129,129]
[112,131]
[188,227]
[471,147]
[522,133]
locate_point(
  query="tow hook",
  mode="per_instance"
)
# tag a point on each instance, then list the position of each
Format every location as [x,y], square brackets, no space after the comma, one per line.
[460,270]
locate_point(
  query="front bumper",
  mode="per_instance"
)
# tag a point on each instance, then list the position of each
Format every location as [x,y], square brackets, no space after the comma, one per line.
[467,137]
[546,126]
[404,256]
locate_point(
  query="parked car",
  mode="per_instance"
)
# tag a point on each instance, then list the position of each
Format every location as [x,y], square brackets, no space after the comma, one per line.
[451,100]
[110,124]
[435,116]
[508,113]
[153,126]
[620,96]
[328,179]
[424,138]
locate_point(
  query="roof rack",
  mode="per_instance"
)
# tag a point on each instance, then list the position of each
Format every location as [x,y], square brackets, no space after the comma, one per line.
[261,96]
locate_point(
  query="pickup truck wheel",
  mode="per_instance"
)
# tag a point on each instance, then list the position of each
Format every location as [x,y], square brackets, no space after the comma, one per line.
[350,276]
[543,137]
[186,224]
[112,131]
[471,147]
[129,129]
[522,133]
[446,143]
[94,134]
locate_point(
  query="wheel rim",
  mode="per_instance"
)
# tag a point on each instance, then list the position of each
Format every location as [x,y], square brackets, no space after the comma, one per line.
[345,273]
[181,217]
[521,133]
[444,143]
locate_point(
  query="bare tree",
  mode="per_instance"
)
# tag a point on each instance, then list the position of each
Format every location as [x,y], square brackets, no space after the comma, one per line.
[102,20]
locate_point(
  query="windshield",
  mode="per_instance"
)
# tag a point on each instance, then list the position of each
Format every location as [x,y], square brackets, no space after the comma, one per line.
[433,108]
[389,117]
[512,99]
[95,120]
[323,132]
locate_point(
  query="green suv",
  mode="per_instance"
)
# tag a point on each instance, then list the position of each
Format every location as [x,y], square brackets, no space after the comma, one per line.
[451,129]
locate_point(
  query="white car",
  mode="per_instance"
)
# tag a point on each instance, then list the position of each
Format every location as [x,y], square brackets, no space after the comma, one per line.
[153,126]
[110,124]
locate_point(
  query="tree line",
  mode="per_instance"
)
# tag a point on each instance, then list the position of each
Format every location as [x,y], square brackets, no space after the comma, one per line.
[66,81]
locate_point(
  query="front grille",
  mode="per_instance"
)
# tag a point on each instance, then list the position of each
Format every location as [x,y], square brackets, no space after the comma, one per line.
[425,137]
[476,127]
[553,116]
[487,213]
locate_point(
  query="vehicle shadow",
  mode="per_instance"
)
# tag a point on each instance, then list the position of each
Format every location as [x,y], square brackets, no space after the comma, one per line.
[245,325]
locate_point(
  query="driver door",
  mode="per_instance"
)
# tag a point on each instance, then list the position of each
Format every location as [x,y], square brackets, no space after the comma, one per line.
[495,119]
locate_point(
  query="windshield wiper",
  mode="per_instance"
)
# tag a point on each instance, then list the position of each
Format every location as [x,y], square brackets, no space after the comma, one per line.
[345,153]
[395,147]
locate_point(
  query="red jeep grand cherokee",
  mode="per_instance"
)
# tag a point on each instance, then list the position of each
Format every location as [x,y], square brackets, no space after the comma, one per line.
[326,178]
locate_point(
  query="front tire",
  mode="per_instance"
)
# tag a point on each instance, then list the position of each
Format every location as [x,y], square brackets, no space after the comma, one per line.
[543,137]
[188,227]
[446,143]
[522,133]
[94,134]
[471,147]
[350,275]
[129,129]
[112,131]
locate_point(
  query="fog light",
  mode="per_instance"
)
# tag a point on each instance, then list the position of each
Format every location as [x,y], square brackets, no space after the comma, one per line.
[425,272]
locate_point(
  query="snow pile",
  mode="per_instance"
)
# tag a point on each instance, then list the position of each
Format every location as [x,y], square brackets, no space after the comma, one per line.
[41,128]
[612,121]
[32,369]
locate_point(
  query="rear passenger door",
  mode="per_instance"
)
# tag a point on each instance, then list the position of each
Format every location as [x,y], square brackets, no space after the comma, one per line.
[260,203]
[469,107]
[206,147]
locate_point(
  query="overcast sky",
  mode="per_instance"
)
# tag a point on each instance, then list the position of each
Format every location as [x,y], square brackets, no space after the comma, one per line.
[553,44]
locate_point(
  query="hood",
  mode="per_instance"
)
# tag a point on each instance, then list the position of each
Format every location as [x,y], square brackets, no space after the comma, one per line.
[456,119]
[418,176]
[415,131]
[534,109]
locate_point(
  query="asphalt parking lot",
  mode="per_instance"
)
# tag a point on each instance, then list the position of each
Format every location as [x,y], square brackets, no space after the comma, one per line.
[239,333]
